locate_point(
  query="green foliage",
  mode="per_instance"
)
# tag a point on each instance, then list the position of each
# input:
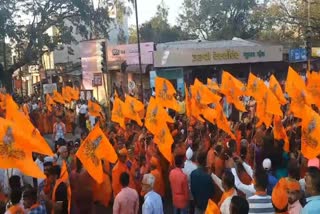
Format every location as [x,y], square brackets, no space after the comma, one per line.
[219,19]
[158,29]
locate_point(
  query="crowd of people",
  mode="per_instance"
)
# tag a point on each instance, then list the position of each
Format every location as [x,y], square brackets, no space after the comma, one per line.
[210,172]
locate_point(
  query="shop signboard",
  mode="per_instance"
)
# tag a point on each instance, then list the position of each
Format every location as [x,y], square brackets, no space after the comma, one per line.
[217,56]
[297,55]
[130,54]
[49,88]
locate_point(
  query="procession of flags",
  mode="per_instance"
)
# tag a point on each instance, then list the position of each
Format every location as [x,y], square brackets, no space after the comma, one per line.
[19,138]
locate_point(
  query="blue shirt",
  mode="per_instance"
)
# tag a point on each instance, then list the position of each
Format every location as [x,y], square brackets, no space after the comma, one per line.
[272,181]
[202,187]
[152,203]
[312,206]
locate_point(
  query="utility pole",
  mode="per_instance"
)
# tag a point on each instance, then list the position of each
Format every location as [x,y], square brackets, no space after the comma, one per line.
[139,49]
[308,37]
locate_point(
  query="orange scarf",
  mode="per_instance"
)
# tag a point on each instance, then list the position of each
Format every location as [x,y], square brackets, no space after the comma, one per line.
[226,195]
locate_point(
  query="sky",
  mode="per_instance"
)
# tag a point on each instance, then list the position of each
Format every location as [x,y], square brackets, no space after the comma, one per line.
[148,8]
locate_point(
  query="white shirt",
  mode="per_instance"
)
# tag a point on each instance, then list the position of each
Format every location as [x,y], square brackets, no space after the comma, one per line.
[189,167]
[249,190]
[83,109]
[152,203]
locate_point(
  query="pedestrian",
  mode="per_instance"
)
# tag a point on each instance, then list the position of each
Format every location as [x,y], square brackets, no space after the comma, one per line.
[260,202]
[294,195]
[313,191]
[239,205]
[202,186]
[179,186]
[155,170]
[14,205]
[272,180]
[30,202]
[127,200]
[152,200]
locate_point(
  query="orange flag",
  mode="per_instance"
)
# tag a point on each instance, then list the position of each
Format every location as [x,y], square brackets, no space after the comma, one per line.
[300,99]
[74,93]
[279,132]
[117,115]
[35,142]
[49,102]
[294,80]
[275,87]
[212,85]
[94,148]
[165,93]
[210,115]
[232,91]
[313,87]
[57,97]
[2,101]
[212,208]
[255,87]
[310,140]
[156,117]
[196,104]
[164,141]
[66,94]
[14,153]
[94,109]
[222,122]
[262,113]
[132,109]
[187,101]
[202,94]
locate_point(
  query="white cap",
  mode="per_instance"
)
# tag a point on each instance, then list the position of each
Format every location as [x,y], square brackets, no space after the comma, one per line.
[189,153]
[48,159]
[266,164]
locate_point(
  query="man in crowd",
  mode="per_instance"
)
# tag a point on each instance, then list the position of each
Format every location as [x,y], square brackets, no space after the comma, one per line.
[260,202]
[202,187]
[152,200]
[179,187]
[127,200]
[313,191]
[294,194]
[30,202]
[239,205]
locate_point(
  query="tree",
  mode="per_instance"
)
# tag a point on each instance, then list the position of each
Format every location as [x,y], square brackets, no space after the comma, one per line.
[159,30]
[25,23]
[219,19]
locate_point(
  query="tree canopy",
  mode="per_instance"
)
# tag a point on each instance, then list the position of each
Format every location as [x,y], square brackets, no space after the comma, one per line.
[26,22]
[158,29]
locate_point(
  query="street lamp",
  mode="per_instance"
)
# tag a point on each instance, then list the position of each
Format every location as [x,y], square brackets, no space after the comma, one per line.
[139,50]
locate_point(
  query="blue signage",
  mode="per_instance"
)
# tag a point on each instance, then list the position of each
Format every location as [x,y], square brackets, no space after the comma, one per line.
[297,55]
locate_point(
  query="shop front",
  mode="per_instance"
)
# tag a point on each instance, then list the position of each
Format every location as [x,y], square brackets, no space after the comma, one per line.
[204,60]
[124,69]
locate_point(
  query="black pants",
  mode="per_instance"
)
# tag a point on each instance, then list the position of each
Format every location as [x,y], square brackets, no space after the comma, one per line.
[82,121]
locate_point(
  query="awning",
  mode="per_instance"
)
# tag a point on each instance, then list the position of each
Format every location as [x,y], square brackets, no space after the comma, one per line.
[136,68]
[115,66]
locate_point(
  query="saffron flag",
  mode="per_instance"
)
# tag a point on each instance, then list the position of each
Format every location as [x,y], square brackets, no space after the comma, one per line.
[94,109]
[310,141]
[132,109]
[57,97]
[255,87]
[93,149]
[165,94]
[2,101]
[276,89]
[222,122]
[117,115]
[156,117]
[35,141]
[212,85]
[202,94]
[74,93]
[49,102]
[313,87]
[13,151]
[232,91]
[294,81]
[196,104]
[66,94]
[164,141]
[279,132]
